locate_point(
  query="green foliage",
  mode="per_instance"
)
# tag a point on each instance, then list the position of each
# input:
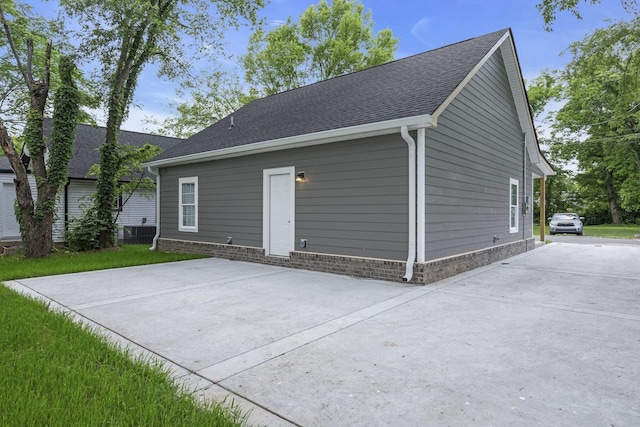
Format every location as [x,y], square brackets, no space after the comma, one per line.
[211,97]
[142,32]
[329,41]
[598,124]
[562,193]
[64,121]
[275,61]
[602,89]
[22,28]
[340,39]
[130,173]
[542,90]
[550,8]
[84,232]
[59,373]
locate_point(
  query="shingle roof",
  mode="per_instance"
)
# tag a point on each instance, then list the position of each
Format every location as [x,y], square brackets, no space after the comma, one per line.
[88,141]
[408,87]
[5,166]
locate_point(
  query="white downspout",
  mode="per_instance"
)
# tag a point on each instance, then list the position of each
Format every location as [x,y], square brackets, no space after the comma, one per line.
[524,185]
[154,245]
[422,237]
[412,203]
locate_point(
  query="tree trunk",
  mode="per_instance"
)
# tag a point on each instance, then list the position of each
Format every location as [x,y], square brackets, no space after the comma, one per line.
[612,198]
[38,237]
[37,234]
[106,185]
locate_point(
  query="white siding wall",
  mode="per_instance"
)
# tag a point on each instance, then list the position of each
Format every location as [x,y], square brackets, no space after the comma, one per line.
[79,192]
[5,210]
[58,225]
[138,207]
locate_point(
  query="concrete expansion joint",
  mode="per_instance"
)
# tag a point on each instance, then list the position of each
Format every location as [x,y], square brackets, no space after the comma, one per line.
[230,367]
[573,273]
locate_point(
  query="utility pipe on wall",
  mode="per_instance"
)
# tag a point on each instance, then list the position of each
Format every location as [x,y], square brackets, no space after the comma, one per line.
[412,203]
[422,194]
[524,184]
[154,245]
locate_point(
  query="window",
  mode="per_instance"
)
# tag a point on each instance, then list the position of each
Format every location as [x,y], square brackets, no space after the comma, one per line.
[513,205]
[118,204]
[188,196]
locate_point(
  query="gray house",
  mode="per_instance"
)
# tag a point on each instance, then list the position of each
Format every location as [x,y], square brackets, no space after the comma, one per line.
[413,170]
[138,211]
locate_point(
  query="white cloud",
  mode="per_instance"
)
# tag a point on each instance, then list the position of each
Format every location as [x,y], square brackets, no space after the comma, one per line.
[277,22]
[420,30]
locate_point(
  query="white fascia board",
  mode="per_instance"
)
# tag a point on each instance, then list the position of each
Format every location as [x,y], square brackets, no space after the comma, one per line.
[469,76]
[306,140]
[518,90]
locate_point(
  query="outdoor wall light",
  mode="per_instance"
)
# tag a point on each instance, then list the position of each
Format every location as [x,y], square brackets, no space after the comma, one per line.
[300,176]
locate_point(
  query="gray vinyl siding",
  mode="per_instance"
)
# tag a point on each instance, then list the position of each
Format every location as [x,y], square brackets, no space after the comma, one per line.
[470,157]
[353,201]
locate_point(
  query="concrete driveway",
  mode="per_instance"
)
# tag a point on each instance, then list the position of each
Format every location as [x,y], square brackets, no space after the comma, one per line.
[550,337]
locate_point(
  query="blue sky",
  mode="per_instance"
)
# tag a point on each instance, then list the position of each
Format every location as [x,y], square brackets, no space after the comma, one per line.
[420,25]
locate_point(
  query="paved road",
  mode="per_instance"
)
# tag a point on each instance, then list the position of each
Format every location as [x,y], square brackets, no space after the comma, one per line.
[550,337]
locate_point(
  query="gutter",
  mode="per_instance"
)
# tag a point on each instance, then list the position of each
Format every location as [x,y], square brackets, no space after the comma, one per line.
[66,205]
[156,172]
[323,137]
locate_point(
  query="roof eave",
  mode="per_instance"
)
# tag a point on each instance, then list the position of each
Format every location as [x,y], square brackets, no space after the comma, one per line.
[298,141]
[519,91]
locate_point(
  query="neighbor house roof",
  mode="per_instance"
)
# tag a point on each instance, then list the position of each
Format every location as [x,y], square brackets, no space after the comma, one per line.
[88,141]
[5,166]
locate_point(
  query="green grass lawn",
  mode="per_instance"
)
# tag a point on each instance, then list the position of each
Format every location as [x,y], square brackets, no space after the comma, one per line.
[58,373]
[19,267]
[613,231]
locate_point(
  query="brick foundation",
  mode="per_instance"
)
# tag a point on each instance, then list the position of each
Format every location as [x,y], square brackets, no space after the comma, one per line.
[373,268]
[442,268]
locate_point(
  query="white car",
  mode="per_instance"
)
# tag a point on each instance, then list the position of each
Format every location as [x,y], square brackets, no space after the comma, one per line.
[565,223]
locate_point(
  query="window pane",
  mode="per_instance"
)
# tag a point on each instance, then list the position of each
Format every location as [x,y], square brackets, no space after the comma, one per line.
[514,194]
[189,216]
[188,193]
[513,216]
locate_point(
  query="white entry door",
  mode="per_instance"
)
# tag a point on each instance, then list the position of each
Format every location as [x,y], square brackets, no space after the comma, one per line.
[10,227]
[279,211]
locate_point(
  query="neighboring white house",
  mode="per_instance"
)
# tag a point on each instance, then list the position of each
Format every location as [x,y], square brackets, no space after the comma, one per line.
[138,212]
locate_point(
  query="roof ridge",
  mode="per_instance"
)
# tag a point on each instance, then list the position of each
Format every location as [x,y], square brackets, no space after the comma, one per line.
[376,94]
[386,63]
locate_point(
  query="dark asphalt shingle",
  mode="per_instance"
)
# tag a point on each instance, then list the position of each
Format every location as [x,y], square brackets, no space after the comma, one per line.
[407,87]
[88,141]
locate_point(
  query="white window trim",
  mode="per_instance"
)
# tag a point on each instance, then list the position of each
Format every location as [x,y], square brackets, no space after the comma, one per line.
[188,180]
[513,182]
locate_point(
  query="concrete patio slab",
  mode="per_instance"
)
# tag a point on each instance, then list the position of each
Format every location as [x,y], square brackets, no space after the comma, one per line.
[550,337]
